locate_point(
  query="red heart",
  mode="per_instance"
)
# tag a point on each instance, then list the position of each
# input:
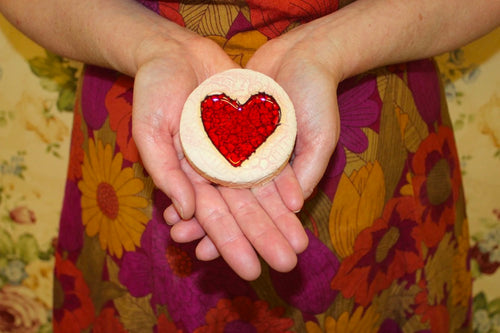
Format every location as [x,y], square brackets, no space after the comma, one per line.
[238,130]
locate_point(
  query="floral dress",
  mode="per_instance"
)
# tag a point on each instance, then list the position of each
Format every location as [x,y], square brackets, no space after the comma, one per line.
[388,236]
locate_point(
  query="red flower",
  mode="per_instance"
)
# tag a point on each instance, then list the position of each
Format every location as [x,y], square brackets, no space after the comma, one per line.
[273,17]
[73,308]
[437,315]
[22,215]
[165,325]
[486,265]
[436,184]
[108,322]
[171,11]
[119,105]
[384,252]
[242,314]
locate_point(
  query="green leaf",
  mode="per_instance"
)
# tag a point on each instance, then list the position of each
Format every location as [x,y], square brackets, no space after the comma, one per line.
[53,57]
[66,100]
[55,69]
[27,248]
[393,160]
[136,313]
[480,302]
[6,244]
[3,262]
[475,269]
[40,67]
[49,84]
[47,254]
[494,306]
[45,328]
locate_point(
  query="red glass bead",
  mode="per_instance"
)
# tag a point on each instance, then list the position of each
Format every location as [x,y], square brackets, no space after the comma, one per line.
[238,130]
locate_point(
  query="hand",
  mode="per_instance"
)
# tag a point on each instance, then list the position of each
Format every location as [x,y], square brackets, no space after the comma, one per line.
[232,222]
[312,89]
[311,84]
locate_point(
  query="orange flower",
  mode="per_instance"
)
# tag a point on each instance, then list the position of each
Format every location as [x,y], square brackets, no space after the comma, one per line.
[436,184]
[73,307]
[384,252]
[119,105]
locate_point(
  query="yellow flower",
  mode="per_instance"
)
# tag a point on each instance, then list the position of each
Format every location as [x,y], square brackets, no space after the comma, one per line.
[110,204]
[366,322]
[358,202]
[40,280]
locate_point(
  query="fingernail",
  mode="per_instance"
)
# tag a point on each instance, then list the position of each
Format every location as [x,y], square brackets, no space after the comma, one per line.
[178,208]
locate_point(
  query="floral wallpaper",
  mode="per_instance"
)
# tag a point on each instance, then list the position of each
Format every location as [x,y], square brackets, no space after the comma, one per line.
[36,98]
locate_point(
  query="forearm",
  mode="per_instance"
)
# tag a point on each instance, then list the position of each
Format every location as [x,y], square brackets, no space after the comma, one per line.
[373,33]
[106,33]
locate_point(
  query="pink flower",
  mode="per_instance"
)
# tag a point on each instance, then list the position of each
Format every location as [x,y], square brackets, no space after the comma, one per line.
[22,215]
[19,311]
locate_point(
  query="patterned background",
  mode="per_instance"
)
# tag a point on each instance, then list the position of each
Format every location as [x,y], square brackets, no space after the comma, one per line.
[36,98]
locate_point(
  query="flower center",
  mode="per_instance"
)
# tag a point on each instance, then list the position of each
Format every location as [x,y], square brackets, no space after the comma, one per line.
[7,319]
[179,261]
[107,200]
[438,183]
[386,243]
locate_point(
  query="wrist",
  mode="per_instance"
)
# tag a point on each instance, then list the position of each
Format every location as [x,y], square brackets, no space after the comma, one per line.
[181,47]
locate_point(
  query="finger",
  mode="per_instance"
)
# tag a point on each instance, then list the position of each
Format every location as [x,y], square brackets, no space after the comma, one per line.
[187,231]
[259,229]
[161,160]
[289,189]
[215,218]
[159,96]
[284,219]
[308,174]
[171,216]
[206,250]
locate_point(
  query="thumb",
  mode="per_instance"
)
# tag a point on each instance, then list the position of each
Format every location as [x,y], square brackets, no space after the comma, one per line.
[159,95]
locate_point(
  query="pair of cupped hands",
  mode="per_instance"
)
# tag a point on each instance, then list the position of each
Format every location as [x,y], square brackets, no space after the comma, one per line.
[238,224]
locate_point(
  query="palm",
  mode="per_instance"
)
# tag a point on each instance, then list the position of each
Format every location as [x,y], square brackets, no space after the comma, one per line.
[312,90]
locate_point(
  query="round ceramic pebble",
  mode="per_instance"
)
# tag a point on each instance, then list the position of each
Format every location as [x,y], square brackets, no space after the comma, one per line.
[238,128]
